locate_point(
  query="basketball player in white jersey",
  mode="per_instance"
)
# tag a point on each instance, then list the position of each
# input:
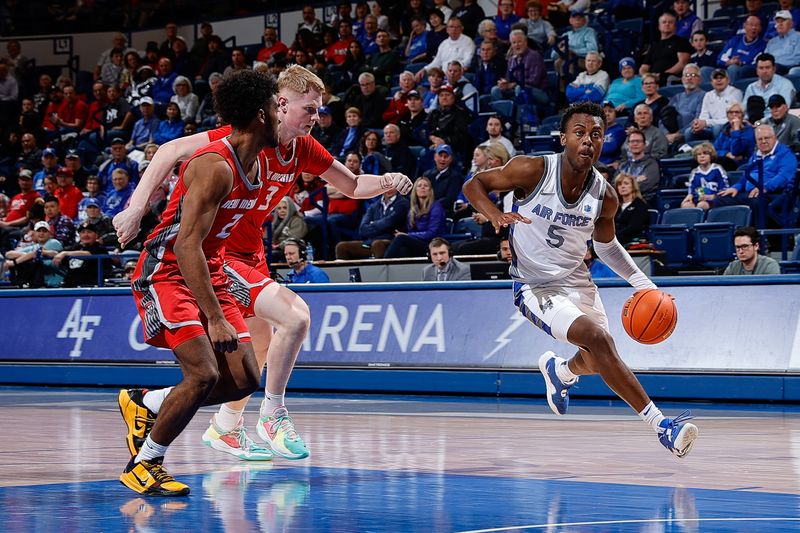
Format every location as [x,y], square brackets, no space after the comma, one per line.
[560,202]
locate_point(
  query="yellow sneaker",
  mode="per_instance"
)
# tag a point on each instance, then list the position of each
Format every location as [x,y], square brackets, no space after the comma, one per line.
[150,478]
[137,417]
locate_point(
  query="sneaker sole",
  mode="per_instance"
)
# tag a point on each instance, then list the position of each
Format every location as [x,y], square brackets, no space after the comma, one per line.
[550,388]
[685,440]
[158,492]
[262,434]
[220,446]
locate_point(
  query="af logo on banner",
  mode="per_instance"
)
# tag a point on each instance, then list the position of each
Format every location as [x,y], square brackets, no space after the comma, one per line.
[79,327]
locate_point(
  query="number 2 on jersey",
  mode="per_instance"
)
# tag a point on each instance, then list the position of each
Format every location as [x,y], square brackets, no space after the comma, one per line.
[226,230]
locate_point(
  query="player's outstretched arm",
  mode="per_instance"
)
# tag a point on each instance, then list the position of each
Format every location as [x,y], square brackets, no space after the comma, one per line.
[126,222]
[520,172]
[209,179]
[610,251]
[365,185]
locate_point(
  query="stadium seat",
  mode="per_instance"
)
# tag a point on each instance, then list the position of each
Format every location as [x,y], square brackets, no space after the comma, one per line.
[674,166]
[483,103]
[467,225]
[713,239]
[668,199]
[551,123]
[670,90]
[504,108]
[742,83]
[654,215]
[673,235]
[539,143]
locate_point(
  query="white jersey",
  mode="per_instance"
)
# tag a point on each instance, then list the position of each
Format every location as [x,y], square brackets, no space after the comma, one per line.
[553,245]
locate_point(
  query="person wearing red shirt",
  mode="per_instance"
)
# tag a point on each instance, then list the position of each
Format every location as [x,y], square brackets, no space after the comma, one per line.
[69,196]
[72,113]
[271,45]
[16,218]
[336,53]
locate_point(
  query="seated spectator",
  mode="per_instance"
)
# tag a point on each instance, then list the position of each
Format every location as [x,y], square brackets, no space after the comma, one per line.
[641,165]
[615,136]
[706,180]
[656,142]
[336,52]
[69,196]
[116,118]
[72,113]
[182,61]
[487,67]
[443,267]
[187,101]
[15,220]
[539,29]
[378,226]
[784,46]
[740,52]
[667,56]
[663,114]
[748,261]
[48,166]
[307,186]
[272,45]
[686,23]
[445,178]
[559,12]
[581,40]
[785,125]
[370,99]
[149,152]
[437,33]
[61,226]
[119,159]
[239,61]
[430,100]
[494,129]
[32,265]
[206,116]
[301,270]
[632,218]
[94,196]
[199,49]
[470,14]
[355,64]
[165,81]
[780,166]
[768,83]
[442,6]
[325,131]
[457,47]
[50,186]
[396,151]
[590,85]
[755,8]
[217,59]
[118,42]
[448,124]
[416,46]
[687,104]
[626,91]
[107,235]
[466,93]
[371,149]
[287,223]
[425,221]
[714,108]
[83,272]
[397,108]
[145,127]
[117,199]
[702,56]
[171,127]
[111,73]
[505,19]
[384,61]
[412,128]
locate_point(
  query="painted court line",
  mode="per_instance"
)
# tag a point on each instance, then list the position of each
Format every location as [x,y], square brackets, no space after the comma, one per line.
[643,521]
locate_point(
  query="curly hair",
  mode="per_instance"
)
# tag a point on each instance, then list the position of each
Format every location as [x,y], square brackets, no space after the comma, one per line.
[583,108]
[240,96]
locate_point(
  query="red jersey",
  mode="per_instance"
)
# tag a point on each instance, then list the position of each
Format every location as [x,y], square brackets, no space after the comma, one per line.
[20,204]
[239,201]
[305,154]
[68,200]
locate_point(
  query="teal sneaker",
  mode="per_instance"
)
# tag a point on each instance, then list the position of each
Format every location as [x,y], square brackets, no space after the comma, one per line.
[235,442]
[278,431]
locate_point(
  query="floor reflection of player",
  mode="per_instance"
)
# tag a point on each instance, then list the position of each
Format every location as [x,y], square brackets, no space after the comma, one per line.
[181,289]
[269,304]
[560,203]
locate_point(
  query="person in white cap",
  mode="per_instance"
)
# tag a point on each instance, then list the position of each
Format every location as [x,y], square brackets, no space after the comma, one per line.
[145,127]
[785,44]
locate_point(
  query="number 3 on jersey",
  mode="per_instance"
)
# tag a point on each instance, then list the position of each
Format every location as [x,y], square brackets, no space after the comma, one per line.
[227,228]
[552,233]
[268,200]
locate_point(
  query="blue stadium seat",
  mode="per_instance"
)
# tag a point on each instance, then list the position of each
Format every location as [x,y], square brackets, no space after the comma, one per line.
[713,239]
[483,103]
[467,225]
[668,199]
[415,67]
[670,90]
[551,123]
[742,83]
[674,166]
[654,215]
[539,143]
[504,108]
[673,235]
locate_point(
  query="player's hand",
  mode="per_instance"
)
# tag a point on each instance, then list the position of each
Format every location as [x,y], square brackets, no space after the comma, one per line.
[126,223]
[394,180]
[503,220]
[223,336]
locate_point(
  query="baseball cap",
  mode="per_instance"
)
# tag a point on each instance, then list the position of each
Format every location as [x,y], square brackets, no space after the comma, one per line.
[72,154]
[413,94]
[117,140]
[627,62]
[719,72]
[49,152]
[25,174]
[324,110]
[146,100]
[608,103]
[783,14]
[92,202]
[443,148]
[776,100]
[88,226]
[64,171]
[41,225]
[447,87]
[577,13]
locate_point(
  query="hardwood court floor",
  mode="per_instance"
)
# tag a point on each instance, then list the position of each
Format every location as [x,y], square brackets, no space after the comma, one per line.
[399,464]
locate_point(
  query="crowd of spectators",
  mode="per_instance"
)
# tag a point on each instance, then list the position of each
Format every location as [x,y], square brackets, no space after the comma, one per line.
[434,90]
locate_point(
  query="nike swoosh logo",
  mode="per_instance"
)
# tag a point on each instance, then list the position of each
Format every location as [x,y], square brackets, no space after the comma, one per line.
[143,483]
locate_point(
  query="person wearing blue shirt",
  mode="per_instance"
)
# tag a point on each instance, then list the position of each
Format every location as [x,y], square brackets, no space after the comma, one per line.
[162,88]
[767,84]
[794,11]
[145,127]
[615,135]
[171,128]
[505,19]
[119,159]
[779,167]
[301,270]
[687,22]
[626,91]
[740,52]
[118,198]
[785,44]
[706,180]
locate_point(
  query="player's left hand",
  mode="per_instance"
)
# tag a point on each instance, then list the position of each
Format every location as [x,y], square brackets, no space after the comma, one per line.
[394,180]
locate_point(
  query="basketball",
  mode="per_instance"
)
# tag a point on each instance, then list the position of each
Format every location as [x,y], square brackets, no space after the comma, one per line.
[649,316]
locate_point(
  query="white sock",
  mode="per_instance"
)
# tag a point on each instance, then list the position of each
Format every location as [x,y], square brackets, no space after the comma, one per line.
[226,418]
[271,402]
[154,398]
[652,415]
[565,374]
[150,450]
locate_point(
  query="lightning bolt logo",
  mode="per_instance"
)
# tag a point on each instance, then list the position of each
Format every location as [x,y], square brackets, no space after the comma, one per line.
[517,319]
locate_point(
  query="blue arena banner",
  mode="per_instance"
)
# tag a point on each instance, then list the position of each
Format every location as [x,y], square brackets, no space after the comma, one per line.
[720,328]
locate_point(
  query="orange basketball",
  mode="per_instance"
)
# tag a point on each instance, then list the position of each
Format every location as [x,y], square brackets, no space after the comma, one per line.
[649,316]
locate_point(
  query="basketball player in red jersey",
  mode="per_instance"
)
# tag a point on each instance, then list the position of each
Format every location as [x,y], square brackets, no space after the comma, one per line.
[263,303]
[179,285]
